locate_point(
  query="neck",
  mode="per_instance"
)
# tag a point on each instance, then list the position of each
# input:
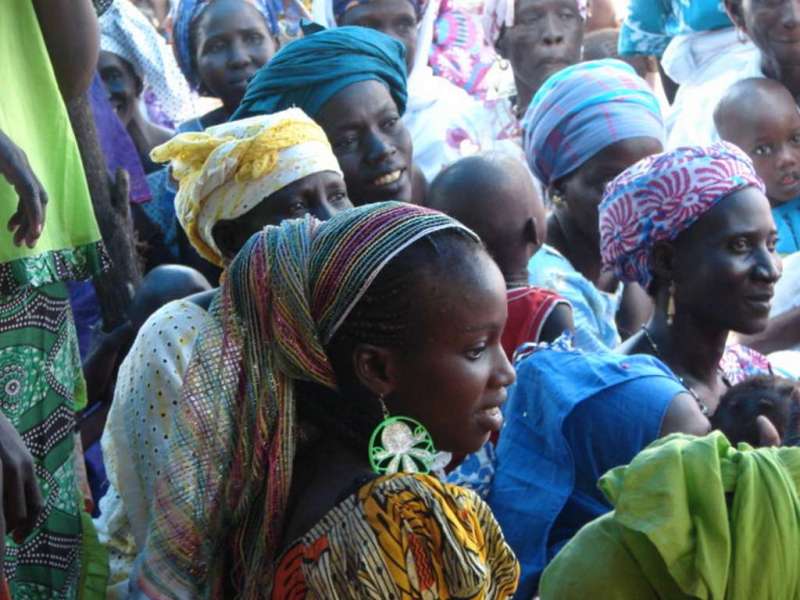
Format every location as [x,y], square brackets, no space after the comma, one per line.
[788,75]
[524,96]
[582,252]
[688,346]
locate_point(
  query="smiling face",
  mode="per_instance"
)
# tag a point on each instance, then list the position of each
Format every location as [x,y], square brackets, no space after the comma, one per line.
[547,36]
[395,18]
[122,84]
[230,42]
[774,26]
[582,190]
[370,141]
[453,376]
[725,266]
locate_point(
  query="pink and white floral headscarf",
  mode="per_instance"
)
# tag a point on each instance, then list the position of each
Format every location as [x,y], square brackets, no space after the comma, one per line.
[659,197]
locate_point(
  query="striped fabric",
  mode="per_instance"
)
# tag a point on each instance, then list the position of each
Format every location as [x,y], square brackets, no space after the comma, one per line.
[219,512]
[581,110]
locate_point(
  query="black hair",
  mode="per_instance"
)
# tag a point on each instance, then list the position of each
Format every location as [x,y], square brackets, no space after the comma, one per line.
[384,317]
[739,407]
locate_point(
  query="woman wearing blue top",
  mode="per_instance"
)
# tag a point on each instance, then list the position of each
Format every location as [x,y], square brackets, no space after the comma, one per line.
[584,126]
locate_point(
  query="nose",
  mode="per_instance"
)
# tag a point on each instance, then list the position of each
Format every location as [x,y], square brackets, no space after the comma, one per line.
[768,266]
[379,148]
[238,57]
[553,34]
[787,157]
[504,373]
[791,14]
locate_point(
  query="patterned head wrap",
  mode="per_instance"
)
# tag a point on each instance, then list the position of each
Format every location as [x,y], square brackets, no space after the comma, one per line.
[311,70]
[499,14]
[661,196]
[583,109]
[126,32]
[186,12]
[229,169]
[285,295]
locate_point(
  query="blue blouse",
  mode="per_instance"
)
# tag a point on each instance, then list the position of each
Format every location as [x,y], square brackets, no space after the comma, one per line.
[570,417]
[787,220]
[651,24]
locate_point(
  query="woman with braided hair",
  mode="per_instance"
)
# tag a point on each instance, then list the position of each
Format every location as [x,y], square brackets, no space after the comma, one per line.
[312,399]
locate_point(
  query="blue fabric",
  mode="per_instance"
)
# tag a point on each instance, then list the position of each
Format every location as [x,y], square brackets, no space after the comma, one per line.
[593,312]
[310,71]
[185,14]
[650,24]
[787,220]
[581,110]
[570,417]
[86,312]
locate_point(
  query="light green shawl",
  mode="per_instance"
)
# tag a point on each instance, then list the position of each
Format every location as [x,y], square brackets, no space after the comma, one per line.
[693,518]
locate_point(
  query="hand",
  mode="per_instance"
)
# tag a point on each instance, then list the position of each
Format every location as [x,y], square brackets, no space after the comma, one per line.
[767,432]
[22,500]
[27,223]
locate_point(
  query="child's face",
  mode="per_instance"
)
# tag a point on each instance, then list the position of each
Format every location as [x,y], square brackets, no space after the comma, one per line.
[772,140]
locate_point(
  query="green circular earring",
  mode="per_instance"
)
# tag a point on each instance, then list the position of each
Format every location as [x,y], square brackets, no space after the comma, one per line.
[400,444]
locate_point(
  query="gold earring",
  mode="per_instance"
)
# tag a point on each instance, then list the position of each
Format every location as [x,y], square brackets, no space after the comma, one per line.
[671,303]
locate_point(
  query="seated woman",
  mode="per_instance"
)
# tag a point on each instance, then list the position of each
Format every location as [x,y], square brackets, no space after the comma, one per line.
[219,45]
[444,121]
[314,407]
[352,81]
[234,179]
[583,128]
[693,227]
[693,518]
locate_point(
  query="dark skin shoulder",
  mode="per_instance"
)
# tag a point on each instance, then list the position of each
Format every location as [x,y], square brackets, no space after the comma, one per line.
[559,321]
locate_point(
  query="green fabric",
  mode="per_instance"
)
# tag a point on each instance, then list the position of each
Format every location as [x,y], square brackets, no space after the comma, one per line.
[693,518]
[95,569]
[33,115]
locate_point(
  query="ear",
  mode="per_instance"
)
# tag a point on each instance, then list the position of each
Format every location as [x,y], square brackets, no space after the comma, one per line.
[501,45]
[734,10]
[375,368]
[531,233]
[554,190]
[662,261]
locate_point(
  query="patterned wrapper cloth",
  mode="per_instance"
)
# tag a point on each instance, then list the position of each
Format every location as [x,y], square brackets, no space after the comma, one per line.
[581,110]
[661,196]
[218,514]
[229,169]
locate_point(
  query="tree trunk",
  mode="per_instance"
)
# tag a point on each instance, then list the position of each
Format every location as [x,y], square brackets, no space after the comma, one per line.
[116,286]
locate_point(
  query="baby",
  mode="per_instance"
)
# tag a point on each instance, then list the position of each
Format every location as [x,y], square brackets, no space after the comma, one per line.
[761,117]
[495,196]
[771,397]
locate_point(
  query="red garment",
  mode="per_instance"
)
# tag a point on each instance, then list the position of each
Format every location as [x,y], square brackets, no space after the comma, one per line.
[528,309]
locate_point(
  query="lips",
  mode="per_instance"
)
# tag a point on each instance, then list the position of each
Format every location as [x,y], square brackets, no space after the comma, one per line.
[761,302]
[388,178]
[790,179]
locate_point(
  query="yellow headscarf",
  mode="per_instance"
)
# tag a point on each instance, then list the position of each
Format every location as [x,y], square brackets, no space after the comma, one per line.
[227,170]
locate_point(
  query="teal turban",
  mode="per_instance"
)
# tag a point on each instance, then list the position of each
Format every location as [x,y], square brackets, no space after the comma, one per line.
[310,71]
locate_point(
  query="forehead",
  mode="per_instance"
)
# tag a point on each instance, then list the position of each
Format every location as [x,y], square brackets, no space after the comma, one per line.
[743,211]
[523,5]
[377,9]
[770,116]
[357,103]
[225,16]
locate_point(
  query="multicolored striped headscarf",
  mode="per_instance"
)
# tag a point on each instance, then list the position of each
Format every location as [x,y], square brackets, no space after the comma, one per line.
[583,109]
[184,15]
[661,196]
[499,14]
[310,71]
[219,511]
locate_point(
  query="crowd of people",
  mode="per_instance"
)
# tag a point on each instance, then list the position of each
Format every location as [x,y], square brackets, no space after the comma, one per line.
[475,299]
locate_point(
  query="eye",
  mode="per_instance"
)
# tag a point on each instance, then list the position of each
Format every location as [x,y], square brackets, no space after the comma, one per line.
[390,123]
[339,197]
[214,46]
[254,38]
[763,150]
[298,208]
[476,352]
[795,139]
[772,243]
[740,245]
[567,15]
[349,142]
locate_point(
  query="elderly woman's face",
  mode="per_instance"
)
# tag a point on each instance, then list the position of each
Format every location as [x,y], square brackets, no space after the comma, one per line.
[773,25]
[395,18]
[725,266]
[370,141]
[582,190]
[546,37]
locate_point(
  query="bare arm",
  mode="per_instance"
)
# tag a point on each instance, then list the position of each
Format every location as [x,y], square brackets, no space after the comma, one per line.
[782,333]
[72,36]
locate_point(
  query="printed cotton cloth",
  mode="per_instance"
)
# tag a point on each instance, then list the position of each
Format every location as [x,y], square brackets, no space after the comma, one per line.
[661,196]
